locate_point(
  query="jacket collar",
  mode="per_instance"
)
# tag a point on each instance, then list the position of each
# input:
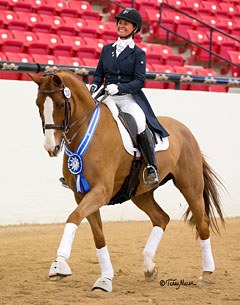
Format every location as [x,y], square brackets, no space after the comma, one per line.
[127,51]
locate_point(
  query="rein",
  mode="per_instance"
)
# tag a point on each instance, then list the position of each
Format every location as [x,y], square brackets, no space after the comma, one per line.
[66,126]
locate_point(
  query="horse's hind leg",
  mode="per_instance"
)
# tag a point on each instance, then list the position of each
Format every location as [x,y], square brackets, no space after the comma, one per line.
[191,185]
[159,219]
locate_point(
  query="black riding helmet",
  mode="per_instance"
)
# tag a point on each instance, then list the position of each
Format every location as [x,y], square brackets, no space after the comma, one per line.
[132,15]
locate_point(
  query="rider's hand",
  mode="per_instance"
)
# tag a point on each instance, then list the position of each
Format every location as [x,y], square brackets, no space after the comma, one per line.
[112,89]
[92,88]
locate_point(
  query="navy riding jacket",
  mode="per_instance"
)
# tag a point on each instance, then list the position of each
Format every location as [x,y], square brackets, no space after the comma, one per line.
[128,71]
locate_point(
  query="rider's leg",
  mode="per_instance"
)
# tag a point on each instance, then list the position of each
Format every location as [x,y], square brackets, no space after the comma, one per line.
[146,142]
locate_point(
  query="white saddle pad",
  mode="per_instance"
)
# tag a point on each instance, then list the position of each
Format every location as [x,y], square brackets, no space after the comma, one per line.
[127,142]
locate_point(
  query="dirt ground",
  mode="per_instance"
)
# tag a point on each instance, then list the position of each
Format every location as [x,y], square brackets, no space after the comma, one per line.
[27,251]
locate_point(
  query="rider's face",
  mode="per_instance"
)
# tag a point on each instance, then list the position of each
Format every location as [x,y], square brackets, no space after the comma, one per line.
[124,28]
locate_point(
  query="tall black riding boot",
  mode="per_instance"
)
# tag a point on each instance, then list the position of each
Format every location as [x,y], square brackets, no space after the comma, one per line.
[146,145]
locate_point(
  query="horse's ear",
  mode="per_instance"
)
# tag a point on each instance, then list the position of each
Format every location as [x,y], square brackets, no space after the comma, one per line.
[57,80]
[36,79]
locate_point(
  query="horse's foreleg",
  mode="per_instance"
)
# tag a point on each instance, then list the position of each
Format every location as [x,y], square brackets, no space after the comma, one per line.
[60,267]
[90,203]
[159,220]
[107,273]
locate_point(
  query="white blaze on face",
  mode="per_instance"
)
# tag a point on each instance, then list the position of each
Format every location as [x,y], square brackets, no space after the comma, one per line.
[49,142]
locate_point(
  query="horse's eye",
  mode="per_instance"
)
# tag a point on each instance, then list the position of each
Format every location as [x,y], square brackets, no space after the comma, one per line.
[60,105]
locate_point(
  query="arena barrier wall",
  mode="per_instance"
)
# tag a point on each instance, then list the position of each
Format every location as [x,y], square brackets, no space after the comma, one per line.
[29,188]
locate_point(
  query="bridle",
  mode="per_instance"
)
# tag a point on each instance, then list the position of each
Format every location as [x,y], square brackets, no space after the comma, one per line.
[65,124]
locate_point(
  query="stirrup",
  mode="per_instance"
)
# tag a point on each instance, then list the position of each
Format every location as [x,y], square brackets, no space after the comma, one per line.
[150,179]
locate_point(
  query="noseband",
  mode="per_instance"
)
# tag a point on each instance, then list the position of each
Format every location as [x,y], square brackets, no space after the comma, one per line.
[65,124]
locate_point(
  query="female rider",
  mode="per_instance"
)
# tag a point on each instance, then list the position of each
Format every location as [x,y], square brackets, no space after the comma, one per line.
[122,69]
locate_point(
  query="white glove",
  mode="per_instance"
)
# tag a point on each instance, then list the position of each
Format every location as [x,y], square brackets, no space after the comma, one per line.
[92,88]
[112,89]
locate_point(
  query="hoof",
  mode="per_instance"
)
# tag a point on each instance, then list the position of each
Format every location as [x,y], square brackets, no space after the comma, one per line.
[103,284]
[151,275]
[204,281]
[59,270]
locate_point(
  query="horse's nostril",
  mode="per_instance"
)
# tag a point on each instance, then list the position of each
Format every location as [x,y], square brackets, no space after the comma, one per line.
[56,150]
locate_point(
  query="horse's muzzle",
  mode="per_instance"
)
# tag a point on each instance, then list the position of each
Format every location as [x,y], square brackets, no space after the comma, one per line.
[55,152]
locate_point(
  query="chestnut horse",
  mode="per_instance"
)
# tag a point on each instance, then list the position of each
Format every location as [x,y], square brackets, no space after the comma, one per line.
[95,170]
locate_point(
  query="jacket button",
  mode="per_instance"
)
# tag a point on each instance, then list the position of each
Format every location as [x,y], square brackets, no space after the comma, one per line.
[118,71]
[119,77]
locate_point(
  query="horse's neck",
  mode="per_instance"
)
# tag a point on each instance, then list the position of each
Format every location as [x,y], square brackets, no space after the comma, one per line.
[82,106]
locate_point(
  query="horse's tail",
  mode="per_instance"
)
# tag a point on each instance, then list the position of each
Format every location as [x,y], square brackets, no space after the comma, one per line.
[211,198]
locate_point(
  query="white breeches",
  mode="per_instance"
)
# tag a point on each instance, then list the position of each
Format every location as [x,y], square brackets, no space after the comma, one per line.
[127,104]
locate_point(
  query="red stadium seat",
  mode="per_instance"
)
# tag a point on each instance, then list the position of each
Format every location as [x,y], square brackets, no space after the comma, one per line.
[185,70]
[234,56]
[100,26]
[163,50]
[8,75]
[65,30]
[20,57]
[62,50]
[86,31]
[12,45]
[70,61]
[227,10]
[225,24]
[22,6]
[164,69]
[73,41]
[4,5]
[236,28]
[29,18]
[153,58]
[46,9]
[98,44]
[5,35]
[52,40]
[192,7]
[90,62]
[209,8]
[77,23]
[160,34]
[146,47]
[10,20]
[176,3]
[54,21]
[41,27]
[87,52]
[26,37]
[174,60]
[196,52]
[183,24]
[62,8]
[108,35]
[89,14]
[202,72]
[80,6]
[45,59]
[209,20]
[222,44]
[151,20]
[212,88]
